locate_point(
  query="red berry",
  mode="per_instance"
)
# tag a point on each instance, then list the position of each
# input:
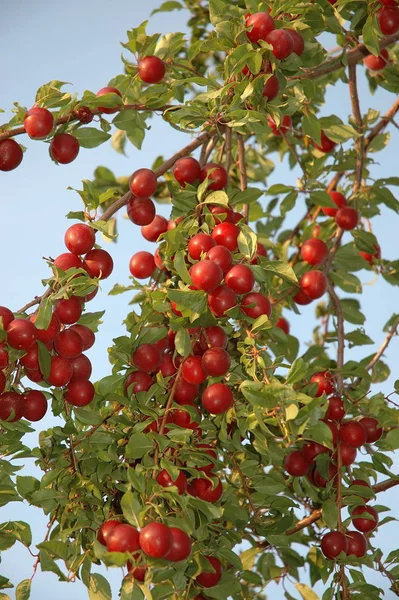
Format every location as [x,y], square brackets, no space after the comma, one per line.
[216,362]
[138,381]
[165,480]
[3,356]
[297,41]
[88,337]
[296,464]
[256,304]
[209,579]
[6,317]
[240,279]
[326,145]
[68,310]
[84,114]
[60,371]
[98,263]
[109,90]
[206,275]
[364,524]
[284,325]
[167,366]
[147,358]
[373,432]
[11,155]
[223,211]
[182,418]
[352,434]
[226,234]
[34,375]
[333,543]
[272,88]
[210,491]
[388,19]
[38,122]
[314,284]
[68,344]
[121,538]
[347,218]
[79,238]
[281,42]
[193,371]
[81,367]
[335,410]
[156,540]
[312,449]
[105,530]
[185,392]
[260,24]
[143,183]
[283,128]
[213,336]
[338,199]
[151,69]
[67,261]
[217,398]
[370,258]
[357,544]
[377,63]
[325,383]
[221,300]
[35,405]
[348,455]
[157,227]
[314,251]
[210,451]
[142,265]
[31,358]
[21,334]
[3,382]
[302,298]
[11,404]
[187,170]
[141,211]
[200,243]
[181,545]
[80,392]
[64,148]
[217,175]
[221,256]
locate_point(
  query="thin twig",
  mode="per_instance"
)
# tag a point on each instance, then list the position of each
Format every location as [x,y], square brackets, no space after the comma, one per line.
[49,526]
[93,429]
[392,332]
[36,300]
[357,114]
[243,171]
[340,334]
[227,148]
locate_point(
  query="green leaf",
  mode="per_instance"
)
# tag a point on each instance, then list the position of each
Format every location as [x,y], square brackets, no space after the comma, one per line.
[297,371]
[44,359]
[181,268]
[99,588]
[183,343]
[22,591]
[311,127]
[371,35]
[192,302]
[267,396]
[358,338]
[306,592]
[330,513]
[321,198]
[247,241]
[267,269]
[167,7]
[90,137]
[44,314]
[138,445]
[92,320]
[217,197]
[131,508]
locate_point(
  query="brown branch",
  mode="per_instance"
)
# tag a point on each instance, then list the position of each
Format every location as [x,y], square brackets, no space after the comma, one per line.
[392,332]
[227,148]
[382,569]
[207,150]
[340,334]
[386,485]
[36,300]
[359,142]
[93,429]
[243,171]
[49,526]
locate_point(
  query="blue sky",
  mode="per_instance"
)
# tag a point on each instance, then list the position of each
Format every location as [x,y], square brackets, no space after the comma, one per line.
[79,43]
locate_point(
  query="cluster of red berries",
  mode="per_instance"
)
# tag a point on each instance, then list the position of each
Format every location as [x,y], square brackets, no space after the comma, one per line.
[64,338]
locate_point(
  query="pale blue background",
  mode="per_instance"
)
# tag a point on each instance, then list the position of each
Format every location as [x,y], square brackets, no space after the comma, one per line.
[79,42]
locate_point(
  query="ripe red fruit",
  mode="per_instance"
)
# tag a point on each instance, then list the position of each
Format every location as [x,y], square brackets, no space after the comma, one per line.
[348,455]
[64,148]
[333,543]
[335,410]
[206,275]
[35,405]
[297,41]
[105,530]
[138,381]
[272,88]
[208,579]
[166,480]
[81,367]
[67,261]
[347,218]
[84,114]
[38,122]
[284,325]
[98,263]
[260,25]
[312,449]
[226,234]
[221,300]
[141,211]
[200,243]
[227,214]
[325,383]
[364,524]
[208,468]
[296,464]
[3,382]
[187,170]
[60,371]
[6,317]
[143,183]
[49,334]
[80,392]
[34,375]
[281,42]
[11,155]
[314,284]
[181,545]
[221,256]
[68,344]
[240,279]
[352,434]
[357,544]
[256,304]
[338,199]
[320,481]
[373,432]
[213,336]
[147,358]
[88,337]
[79,238]
[3,356]
[302,298]
[193,371]
[210,491]
[156,540]
[362,483]
[158,261]
[103,92]
[284,127]
[182,418]
[326,145]
[185,392]
[314,251]
[157,227]
[151,69]
[11,403]
[388,19]
[121,538]
[218,176]
[142,265]
[167,366]
[216,362]
[21,334]
[68,311]
[370,258]
[377,63]
[217,398]
[31,358]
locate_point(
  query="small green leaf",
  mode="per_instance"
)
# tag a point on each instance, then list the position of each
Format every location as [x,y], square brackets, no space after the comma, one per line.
[99,588]
[306,592]
[138,445]
[297,371]
[90,137]
[330,513]
[22,591]
[181,268]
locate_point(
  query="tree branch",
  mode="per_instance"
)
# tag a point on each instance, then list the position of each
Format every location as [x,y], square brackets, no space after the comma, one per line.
[340,334]
[93,429]
[359,142]
[243,171]
[392,332]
